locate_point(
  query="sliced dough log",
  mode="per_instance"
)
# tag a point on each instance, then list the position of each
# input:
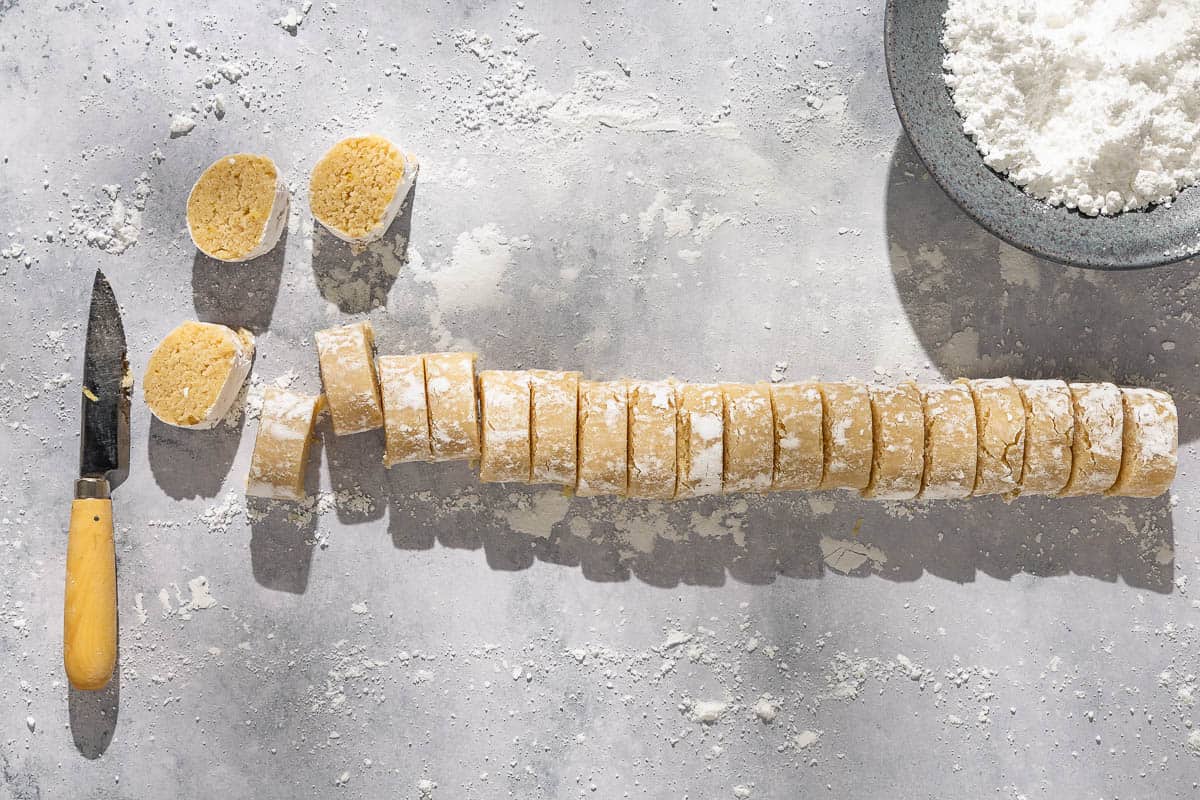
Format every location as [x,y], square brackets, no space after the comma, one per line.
[898,429]
[951,444]
[1049,429]
[280,455]
[1000,426]
[453,419]
[799,442]
[1150,441]
[554,415]
[847,432]
[700,439]
[603,438]
[652,436]
[749,437]
[347,360]
[405,410]
[504,426]
[1096,440]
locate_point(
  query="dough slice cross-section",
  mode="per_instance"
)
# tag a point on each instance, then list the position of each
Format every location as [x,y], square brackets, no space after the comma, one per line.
[603,438]
[347,359]
[504,426]
[799,442]
[453,418]
[700,439]
[280,456]
[195,373]
[405,410]
[749,437]
[898,425]
[652,439]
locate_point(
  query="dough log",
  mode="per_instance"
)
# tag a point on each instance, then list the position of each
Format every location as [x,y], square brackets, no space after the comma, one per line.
[749,437]
[652,435]
[847,430]
[280,455]
[347,358]
[504,426]
[700,439]
[951,443]
[1150,441]
[554,415]
[603,438]
[450,393]
[898,454]
[799,441]
[405,411]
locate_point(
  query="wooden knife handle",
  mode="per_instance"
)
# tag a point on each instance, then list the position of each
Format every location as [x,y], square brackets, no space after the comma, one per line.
[90,609]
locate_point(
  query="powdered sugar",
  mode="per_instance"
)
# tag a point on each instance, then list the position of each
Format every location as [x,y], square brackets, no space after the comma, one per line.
[1083,103]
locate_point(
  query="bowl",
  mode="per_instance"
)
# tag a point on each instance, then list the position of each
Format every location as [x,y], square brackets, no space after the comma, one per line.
[1159,235]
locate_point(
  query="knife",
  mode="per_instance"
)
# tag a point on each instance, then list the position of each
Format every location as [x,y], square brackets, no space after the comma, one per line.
[90,606]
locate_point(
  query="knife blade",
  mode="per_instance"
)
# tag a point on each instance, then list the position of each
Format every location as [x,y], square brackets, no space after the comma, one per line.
[90,602]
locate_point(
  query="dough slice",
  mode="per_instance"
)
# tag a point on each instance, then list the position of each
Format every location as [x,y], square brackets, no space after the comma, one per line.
[453,419]
[603,438]
[359,186]
[280,456]
[347,359]
[749,437]
[1096,440]
[799,444]
[951,443]
[554,416]
[1049,430]
[1000,423]
[405,411]
[238,208]
[652,435]
[504,426]
[700,439]
[1150,440]
[194,375]
[898,425]
[846,427]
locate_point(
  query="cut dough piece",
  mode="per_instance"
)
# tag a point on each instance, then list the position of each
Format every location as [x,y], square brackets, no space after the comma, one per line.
[749,437]
[603,438]
[846,429]
[194,375]
[951,443]
[1096,441]
[238,208]
[405,410]
[1149,443]
[280,455]
[700,439]
[554,415]
[1049,429]
[359,186]
[453,419]
[504,426]
[652,435]
[799,443]
[347,360]
[1000,426]
[898,426]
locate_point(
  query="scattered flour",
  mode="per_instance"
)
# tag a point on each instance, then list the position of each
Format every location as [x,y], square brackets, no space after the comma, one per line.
[201,598]
[707,712]
[846,556]
[471,278]
[536,515]
[806,739]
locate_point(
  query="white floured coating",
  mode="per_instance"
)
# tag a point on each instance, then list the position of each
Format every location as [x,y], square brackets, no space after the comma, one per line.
[273,228]
[286,419]
[389,213]
[242,342]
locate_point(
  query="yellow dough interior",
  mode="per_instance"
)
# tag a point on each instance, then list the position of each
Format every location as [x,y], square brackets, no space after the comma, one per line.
[354,182]
[228,209]
[187,371]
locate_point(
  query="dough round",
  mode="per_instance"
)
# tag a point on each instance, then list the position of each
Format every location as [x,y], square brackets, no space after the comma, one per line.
[1096,440]
[700,439]
[1150,442]
[652,452]
[453,419]
[405,411]
[603,438]
[1049,430]
[799,442]
[951,444]
[347,360]
[280,454]
[898,425]
[749,437]
[237,209]
[359,186]
[504,426]
[847,432]
[1000,424]
[554,414]
[194,375]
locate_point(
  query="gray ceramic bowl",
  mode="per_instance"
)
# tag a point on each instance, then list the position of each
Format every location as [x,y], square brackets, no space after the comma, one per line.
[1160,235]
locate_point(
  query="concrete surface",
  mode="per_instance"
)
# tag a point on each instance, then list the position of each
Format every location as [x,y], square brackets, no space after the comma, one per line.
[706,190]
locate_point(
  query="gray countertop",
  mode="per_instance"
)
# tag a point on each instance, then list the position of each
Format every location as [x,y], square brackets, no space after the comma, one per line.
[704,190]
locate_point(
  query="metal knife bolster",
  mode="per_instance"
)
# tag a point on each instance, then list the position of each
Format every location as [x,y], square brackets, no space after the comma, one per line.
[91,489]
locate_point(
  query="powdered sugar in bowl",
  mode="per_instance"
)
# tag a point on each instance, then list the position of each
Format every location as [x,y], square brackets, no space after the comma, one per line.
[1095,165]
